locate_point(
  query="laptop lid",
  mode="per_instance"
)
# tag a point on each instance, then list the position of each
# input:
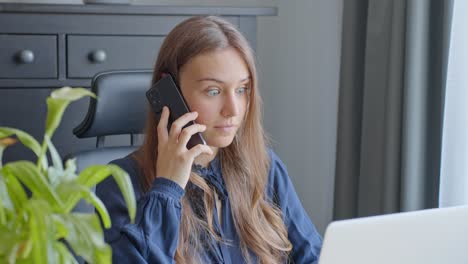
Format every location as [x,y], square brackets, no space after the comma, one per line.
[432,236]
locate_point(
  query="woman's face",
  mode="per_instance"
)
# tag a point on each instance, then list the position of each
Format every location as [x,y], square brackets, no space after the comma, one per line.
[216,85]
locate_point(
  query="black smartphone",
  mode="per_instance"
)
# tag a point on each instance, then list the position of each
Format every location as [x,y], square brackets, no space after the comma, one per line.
[166,93]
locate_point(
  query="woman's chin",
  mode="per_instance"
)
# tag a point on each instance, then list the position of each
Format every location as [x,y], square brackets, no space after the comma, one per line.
[219,142]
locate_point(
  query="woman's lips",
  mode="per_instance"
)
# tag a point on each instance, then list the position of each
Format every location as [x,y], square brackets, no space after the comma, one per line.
[225,128]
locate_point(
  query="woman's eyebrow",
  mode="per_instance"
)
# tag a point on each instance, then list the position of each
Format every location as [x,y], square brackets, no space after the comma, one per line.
[220,81]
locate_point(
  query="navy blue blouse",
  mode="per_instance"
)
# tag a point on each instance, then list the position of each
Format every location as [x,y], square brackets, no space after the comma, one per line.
[154,235]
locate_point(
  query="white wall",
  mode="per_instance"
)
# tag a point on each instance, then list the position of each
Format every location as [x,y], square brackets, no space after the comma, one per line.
[298,56]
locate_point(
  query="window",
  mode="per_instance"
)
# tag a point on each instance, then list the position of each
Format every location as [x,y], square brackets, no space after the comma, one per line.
[454,167]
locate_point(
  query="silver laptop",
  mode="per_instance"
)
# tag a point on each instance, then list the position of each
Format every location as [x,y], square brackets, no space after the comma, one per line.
[434,236]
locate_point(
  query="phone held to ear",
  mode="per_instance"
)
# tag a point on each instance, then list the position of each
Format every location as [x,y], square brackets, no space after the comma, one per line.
[166,93]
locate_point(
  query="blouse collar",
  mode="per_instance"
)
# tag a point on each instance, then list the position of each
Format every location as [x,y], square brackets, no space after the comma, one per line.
[213,176]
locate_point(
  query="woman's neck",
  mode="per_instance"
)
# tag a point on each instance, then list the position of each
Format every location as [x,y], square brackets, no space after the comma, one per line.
[205,159]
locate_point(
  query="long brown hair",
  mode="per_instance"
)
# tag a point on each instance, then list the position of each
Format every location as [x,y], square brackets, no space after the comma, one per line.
[244,163]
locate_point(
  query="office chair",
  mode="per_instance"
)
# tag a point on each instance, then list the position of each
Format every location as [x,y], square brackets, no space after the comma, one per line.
[119,110]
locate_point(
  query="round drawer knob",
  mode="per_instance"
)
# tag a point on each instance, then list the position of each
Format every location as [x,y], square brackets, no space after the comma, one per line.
[98,56]
[25,56]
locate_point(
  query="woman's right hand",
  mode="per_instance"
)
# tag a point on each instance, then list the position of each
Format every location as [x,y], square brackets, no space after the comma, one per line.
[174,159]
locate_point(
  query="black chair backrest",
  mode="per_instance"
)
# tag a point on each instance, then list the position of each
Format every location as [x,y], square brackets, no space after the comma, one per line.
[120,109]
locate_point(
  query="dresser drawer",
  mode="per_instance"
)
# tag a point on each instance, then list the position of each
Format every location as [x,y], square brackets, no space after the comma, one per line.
[28,56]
[88,55]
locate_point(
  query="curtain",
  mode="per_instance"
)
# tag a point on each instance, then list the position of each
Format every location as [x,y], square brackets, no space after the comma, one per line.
[391,102]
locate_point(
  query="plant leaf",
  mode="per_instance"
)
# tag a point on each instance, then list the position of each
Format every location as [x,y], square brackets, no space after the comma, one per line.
[13,238]
[97,173]
[4,143]
[86,238]
[2,149]
[71,94]
[20,251]
[71,192]
[55,110]
[25,249]
[54,176]
[27,173]
[93,175]
[24,137]
[13,254]
[54,173]
[61,227]
[17,194]
[40,229]
[88,195]
[70,170]
[100,208]
[5,201]
[56,160]
[64,256]
[58,101]
[126,187]
[3,219]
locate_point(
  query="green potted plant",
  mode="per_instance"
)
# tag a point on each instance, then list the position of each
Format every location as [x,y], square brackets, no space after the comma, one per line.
[36,227]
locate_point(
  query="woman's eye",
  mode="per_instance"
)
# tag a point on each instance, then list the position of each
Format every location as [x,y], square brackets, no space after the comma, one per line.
[213,92]
[242,90]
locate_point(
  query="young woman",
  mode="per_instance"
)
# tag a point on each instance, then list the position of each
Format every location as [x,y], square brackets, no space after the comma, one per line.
[230,201]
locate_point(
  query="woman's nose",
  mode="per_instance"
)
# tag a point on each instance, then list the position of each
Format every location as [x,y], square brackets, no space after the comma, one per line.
[231,106]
